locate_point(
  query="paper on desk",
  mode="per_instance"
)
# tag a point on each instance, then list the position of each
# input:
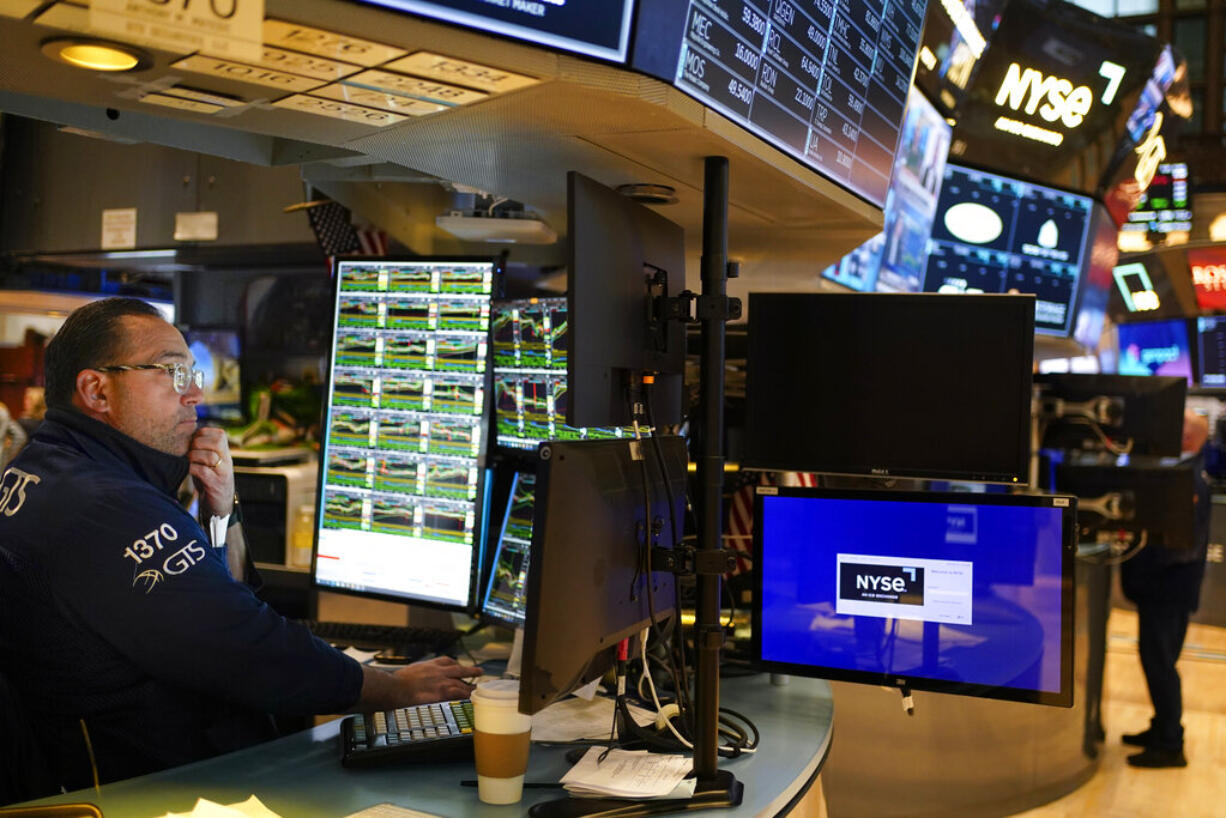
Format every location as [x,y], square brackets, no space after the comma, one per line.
[574,719]
[630,774]
[363,656]
[251,808]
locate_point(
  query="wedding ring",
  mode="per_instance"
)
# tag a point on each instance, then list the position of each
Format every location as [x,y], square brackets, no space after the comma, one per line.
[217,462]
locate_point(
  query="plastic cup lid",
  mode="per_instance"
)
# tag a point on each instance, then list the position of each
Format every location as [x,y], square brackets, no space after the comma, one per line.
[498,690]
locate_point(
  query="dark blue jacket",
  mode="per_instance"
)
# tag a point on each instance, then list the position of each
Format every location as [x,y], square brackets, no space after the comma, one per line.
[116,610]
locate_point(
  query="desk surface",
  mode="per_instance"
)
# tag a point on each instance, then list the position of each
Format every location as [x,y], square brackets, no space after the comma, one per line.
[301,775]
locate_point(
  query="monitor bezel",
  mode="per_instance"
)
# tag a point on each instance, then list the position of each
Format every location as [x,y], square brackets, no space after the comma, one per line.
[1066,504]
[481,519]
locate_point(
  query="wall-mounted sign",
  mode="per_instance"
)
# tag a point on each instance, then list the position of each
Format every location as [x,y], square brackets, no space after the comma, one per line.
[197,226]
[328,44]
[1136,287]
[119,228]
[416,87]
[230,28]
[339,110]
[460,72]
[379,99]
[1208,268]
[241,72]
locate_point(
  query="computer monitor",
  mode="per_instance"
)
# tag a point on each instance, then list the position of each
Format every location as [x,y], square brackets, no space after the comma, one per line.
[402,495]
[1151,415]
[621,256]
[506,594]
[1155,348]
[994,234]
[894,260]
[1211,351]
[216,351]
[588,584]
[893,385]
[1158,495]
[529,342]
[949,592]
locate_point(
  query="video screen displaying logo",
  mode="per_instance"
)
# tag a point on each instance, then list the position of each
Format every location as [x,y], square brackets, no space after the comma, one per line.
[902,585]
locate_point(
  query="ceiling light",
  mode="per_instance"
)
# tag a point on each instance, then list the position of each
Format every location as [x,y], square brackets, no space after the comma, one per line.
[96,55]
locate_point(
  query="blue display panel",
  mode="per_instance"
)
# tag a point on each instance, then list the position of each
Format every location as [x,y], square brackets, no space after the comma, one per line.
[894,260]
[993,234]
[825,81]
[401,474]
[1155,348]
[957,593]
[596,29]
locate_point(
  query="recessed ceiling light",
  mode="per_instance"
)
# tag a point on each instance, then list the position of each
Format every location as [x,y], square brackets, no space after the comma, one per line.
[96,55]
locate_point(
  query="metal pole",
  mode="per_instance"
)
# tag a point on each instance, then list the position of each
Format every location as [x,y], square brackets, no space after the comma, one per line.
[708,635]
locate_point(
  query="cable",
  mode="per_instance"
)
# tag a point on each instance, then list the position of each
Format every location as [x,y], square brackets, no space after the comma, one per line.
[1108,444]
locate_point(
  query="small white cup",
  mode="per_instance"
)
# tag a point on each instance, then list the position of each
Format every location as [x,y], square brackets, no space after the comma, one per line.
[501,738]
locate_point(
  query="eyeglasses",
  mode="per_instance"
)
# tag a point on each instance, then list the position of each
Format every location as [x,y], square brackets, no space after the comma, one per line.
[182,376]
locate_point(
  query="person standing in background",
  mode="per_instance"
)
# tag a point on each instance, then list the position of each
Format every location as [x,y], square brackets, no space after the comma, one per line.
[1164,583]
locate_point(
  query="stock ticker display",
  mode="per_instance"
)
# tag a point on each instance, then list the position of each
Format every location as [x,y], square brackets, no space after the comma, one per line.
[504,599]
[824,80]
[529,339]
[407,414]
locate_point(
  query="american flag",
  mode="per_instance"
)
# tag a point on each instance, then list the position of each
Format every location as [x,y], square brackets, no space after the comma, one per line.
[333,226]
[738,533]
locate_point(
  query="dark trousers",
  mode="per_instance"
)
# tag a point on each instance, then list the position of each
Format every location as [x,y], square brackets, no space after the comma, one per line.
[1161,630]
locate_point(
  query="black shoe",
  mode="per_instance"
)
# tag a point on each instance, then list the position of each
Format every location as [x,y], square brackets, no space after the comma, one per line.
[1141,739]
[1153,758]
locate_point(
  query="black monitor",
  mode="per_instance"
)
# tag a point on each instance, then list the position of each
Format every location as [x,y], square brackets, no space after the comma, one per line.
[216,351]
[402,491]
[1211,351]
[588,581]
[1158,495]
[622,256]
[529,340]
[929,386]
[995,234]
[949,592]
[505,596]
[1151,416]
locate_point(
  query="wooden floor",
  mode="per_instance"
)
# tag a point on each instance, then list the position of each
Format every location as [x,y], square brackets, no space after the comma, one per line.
[1119,791]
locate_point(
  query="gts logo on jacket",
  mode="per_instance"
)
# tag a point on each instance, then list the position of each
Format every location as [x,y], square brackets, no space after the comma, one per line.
[13,490]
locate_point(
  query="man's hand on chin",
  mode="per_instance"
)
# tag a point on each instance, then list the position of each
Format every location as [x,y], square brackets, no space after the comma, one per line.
[212,471]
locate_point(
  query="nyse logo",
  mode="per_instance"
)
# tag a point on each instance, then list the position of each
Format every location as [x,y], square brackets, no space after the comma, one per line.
[898,584]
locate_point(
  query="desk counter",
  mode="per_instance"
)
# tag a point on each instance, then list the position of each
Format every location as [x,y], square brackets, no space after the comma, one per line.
[301,775]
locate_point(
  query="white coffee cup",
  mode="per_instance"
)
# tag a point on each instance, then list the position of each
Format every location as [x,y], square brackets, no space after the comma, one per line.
[501,737]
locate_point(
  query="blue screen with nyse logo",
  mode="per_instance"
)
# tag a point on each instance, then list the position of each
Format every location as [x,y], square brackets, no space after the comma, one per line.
[961,593]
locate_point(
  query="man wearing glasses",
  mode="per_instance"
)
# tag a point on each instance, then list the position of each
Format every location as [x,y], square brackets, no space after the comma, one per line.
[125,633]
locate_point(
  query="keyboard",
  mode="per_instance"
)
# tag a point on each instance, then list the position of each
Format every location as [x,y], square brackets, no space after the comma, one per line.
[424,732]
[410,641]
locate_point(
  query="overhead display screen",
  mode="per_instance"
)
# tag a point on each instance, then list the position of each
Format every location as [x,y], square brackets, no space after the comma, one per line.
[1211,346]
[1164,206]
[993,234]
[893,260]
[825,81]
[1052,92]
[1155,348]
[595,29]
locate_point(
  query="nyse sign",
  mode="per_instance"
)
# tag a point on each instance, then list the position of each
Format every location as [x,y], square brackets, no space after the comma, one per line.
[1056,100]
